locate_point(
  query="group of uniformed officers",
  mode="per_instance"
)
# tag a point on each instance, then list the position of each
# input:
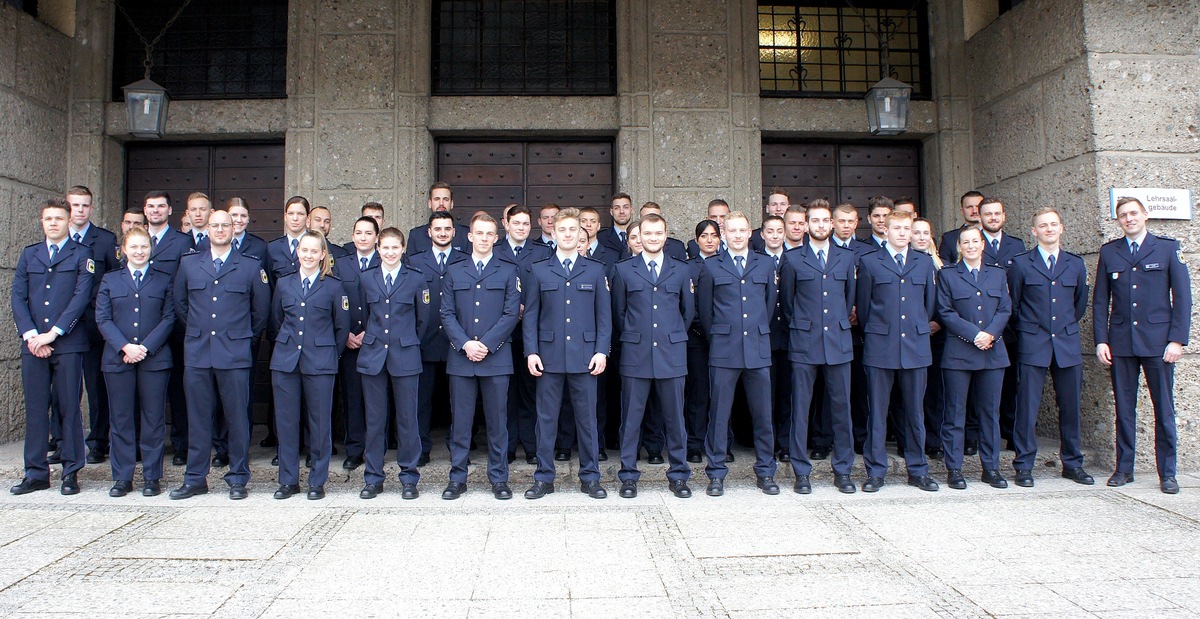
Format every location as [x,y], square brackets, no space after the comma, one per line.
[838,344]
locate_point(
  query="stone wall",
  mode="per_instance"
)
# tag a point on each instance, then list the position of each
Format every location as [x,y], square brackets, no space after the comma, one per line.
[1109,99]
[35,68]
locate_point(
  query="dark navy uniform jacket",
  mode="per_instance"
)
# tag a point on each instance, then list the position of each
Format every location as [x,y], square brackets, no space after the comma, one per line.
[280,259]
[349,269]
[250,245]
[1047,308]
[48,294]
[127,314]
[568,317]
[1142,301]
[1010,247]
[816,305]
[435,346]
[735,310]
[223,312]
[419,241]
[167,252]
[311,330]
[484,308]
[894,309]
[653,316]
[605,255]
[532,251]
[103,244]
[395,322]
[966,307]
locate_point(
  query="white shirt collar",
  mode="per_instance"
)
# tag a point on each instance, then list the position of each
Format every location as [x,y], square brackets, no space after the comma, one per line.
[82,232]
[369,257]
[386,272]
[658,260]
[1140,240]
[892,252]
[745,254]
[485,260]
[572,256]
[224,256]
[987,238]
[1045,256]
[133,271]
[514,246]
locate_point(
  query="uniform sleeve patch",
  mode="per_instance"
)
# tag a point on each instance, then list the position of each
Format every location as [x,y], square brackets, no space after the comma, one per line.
[692,285]
[518,284]
[91,265]
[263,273]
[425,296]
[345,303]
[606,284]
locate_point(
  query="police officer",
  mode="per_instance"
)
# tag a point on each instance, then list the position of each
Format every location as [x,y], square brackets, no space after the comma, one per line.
[999,249]
[735,298]
[522,410]
[349,269]
[771,238]
[435,263]
[1142,314]
[707,241]
[225,300]
[310,317]
[654,304]
[320,219]
[441,200]
[969,205]
[1049,292]
[895,305]
[281,252]
[567,331]
[135,312]
[974,307]
[481,304]
[817,288]
[51,290]
[396,306]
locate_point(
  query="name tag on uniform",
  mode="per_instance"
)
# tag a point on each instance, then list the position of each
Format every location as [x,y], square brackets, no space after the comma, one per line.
[587,286]
[1154,265]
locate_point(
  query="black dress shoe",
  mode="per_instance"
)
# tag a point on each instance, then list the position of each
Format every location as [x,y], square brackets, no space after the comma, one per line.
[152,488]
[819,453]
[370,491]
[308,461]
[120,489]
[238,492]
[628,489]
[1168,485]
[1023,478]
[593,489]
[269,441]
[680,489]
[539,489]
[512,457]
[95,456]
[54,458]
[220,461]
[802,485]
[1119,479]
[716,487]
[409,492]
[767,485]
[28,485]
[178,460]
[955,479]
[873,484]
[51,446]
[1078,475]
[352,462]
[935,453]
[729,456]
[783,456]
[286,491]
[844,484]
[501,491]
[993,478]
[316,493]
[695,457]
[70,485]
[275,460]
[655,459]
[391,444]
[561,455]
[924,482]
[423,459]
[971,449]
[602,455]
[186,492]
[454,490]
[531,458]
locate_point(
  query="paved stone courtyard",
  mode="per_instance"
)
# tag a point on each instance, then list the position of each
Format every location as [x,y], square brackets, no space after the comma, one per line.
[1058,550]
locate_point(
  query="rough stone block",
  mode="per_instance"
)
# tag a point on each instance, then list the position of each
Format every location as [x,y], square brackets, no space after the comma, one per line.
[1066,113]
[12,397]
[356,72]
[302,112]
[990,53]
[575,114]
[1046,36]
[745,110]
[841,117]
[1146,103]
[691,149]
[1008,136]
[33,142]
[357,151]
[1138,27]
[345,208]
[8,45]
[356,15]
[87,116]
[43,63]
[1181,172]
[690,71]
[301,163]
[302,48]
[684,208]
[1069,187]
[690,15]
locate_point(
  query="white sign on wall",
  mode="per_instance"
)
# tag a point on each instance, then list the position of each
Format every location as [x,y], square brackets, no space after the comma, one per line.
[1160,203]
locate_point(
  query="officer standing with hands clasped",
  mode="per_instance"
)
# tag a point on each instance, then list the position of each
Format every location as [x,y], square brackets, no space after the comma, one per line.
[225,302]
[51,290]
[1142,314]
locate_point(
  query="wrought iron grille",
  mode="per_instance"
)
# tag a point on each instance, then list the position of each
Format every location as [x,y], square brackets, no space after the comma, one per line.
[829,48]
[535,47]
[218,49]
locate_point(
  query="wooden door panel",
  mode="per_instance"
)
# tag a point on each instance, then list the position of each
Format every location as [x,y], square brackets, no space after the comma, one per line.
[479,153]
[480,175]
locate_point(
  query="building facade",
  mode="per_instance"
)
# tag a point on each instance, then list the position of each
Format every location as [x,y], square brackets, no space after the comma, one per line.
[1040,103]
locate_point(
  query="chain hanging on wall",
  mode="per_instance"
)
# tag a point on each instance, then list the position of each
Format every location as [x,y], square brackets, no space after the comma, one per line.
[884,30]
[149,61]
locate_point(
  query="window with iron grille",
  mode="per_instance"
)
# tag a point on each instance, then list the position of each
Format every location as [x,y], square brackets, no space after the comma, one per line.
[831,48]
[536,47]
[218,49]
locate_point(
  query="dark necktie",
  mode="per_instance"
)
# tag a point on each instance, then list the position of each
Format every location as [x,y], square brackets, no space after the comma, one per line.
[53,252]
[479,266]
[653,271]
[363,262]
[739,261]
[295,242]
[217,262]
[975,274]
[200,238]
[821,258]
[517,250]
[900,260]
[237,245]
[153,243]
[78,238]
[623,237]
[567,266]
[388,282]
[776,258]
[441,262]
[304,286]
[137,279]
[996,245]
[1051,262]
[1133,247]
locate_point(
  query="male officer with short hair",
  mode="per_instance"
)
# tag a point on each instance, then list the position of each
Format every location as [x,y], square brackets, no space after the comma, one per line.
[51,290]
[441,200]
[1142,314]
